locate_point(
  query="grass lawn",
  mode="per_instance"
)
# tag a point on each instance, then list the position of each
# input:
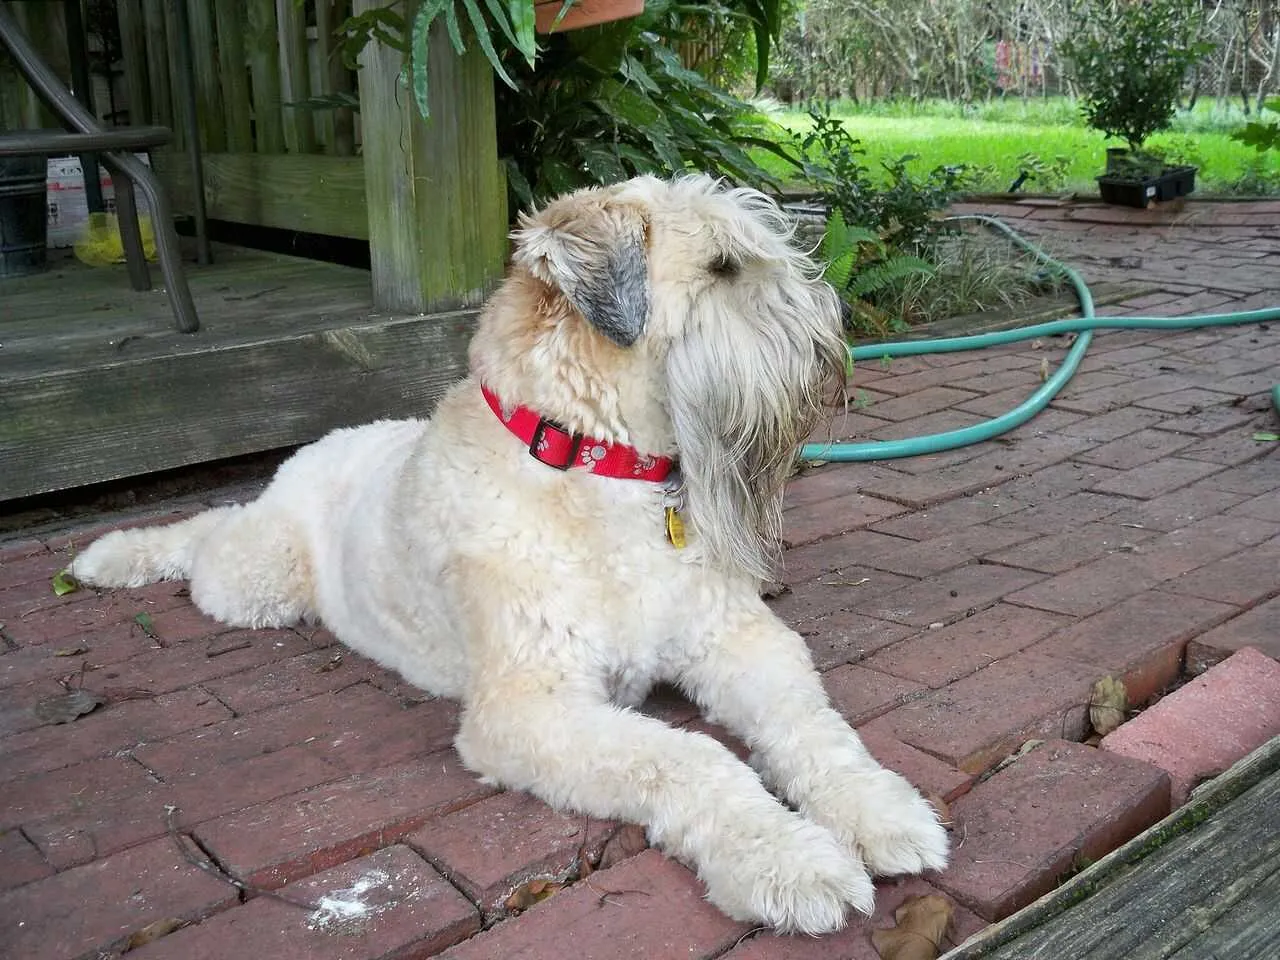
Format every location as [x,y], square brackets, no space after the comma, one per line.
[994,136]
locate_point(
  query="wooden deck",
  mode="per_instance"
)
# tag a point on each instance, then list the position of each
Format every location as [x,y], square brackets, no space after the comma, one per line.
[95,383]
[1203,883]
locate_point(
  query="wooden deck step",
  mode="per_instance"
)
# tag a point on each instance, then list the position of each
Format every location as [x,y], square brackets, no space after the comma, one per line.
[95,384]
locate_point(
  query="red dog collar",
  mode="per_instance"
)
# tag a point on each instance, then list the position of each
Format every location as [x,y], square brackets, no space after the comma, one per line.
[555,446]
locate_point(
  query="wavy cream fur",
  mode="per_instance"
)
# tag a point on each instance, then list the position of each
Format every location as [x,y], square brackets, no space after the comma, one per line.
[674,316]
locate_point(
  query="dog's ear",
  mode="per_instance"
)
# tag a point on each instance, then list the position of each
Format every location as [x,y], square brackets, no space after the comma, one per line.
[594,253]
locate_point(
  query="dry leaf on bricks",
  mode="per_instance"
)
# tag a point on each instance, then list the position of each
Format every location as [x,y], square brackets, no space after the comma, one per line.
[153,931]
[627,841]
[922,925]
[65,707]
[527,894]
[1107,706]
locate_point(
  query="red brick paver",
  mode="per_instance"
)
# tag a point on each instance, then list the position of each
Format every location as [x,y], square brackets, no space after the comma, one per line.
[1058,807]
[1202,728]
[387,905]
[958,605]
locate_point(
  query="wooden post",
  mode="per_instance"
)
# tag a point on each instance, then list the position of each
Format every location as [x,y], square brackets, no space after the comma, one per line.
[436,193]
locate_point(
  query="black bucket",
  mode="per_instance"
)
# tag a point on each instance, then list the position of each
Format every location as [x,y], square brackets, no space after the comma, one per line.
[24,216]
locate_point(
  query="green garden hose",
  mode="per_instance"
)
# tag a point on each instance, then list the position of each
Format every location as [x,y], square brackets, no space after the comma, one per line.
[1084,325]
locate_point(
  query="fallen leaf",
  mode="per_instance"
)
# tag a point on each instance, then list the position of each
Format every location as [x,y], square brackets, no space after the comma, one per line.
[1107,705]
[147,624]
[627,841]
[333,663]
[1265,436]
[71,651]
[922,924]
[153,931]
[64,583]
[527,894]
[65,707]
[1044,370]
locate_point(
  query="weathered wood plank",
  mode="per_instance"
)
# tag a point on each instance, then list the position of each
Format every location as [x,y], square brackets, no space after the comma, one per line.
[134,417]
[133,52]
[309,192]
[295,80]
[45,25]
[172,62]
[436,195]
[77,317]
[1249,929]
[264,71]
[337,125]
[153,14]
[329,16]
[233,74]
[1161,891]
[204,69]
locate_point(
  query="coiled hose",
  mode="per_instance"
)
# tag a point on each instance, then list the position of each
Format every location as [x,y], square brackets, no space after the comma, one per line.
[1084,325]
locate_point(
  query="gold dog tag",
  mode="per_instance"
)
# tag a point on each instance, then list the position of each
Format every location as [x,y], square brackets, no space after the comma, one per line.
[675,528]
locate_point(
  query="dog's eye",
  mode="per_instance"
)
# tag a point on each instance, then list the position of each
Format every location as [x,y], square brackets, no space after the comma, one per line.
[724,267]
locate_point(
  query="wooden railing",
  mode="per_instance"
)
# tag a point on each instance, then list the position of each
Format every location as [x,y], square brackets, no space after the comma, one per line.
[270,158]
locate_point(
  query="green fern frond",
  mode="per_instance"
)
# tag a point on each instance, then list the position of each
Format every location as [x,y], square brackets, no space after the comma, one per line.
[840,270]
[888,272]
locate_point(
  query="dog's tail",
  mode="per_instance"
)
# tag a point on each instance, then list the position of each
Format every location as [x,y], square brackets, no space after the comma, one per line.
[134,558]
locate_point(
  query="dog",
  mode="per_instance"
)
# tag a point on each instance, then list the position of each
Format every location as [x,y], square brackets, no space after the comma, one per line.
[590,512]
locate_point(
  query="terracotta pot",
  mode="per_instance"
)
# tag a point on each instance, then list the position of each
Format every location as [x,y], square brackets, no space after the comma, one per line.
[583,13]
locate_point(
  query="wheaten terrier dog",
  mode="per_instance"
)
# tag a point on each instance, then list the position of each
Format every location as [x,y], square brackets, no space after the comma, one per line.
[590,512]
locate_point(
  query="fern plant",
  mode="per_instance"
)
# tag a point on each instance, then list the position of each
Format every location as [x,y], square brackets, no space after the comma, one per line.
[860,265]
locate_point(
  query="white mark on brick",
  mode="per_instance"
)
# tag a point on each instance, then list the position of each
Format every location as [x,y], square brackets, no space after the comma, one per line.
[348,905]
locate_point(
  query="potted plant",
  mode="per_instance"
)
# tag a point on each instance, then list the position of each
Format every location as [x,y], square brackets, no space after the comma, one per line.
[557,16]
[1129,62]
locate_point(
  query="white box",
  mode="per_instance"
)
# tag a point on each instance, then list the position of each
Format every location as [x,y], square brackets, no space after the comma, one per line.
[68,210]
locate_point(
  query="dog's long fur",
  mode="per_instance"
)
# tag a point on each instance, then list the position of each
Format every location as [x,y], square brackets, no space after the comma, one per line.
[673,316]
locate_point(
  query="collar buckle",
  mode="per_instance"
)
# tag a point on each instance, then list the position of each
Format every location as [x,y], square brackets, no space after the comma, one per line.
[542,446]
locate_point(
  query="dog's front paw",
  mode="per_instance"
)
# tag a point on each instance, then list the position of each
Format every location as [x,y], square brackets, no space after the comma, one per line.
[797,879]
[894,828]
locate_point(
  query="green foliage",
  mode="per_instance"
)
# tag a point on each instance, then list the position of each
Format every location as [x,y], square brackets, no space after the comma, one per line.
[878,233]
[989,148]
[1261,135]
[1046,174]
[614,101]
[1259,178]
[1130,61]
[600,104]
[511,21]
[898,205]
[860,263]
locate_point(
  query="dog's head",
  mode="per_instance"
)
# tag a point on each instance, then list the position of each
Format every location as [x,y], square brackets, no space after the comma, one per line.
[677,316]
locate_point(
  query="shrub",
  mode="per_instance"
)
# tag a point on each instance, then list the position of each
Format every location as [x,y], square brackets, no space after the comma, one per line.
[1130,60]
[902,211]
[879,235]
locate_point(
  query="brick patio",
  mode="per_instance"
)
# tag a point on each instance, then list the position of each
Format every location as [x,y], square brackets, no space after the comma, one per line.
[959,606]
